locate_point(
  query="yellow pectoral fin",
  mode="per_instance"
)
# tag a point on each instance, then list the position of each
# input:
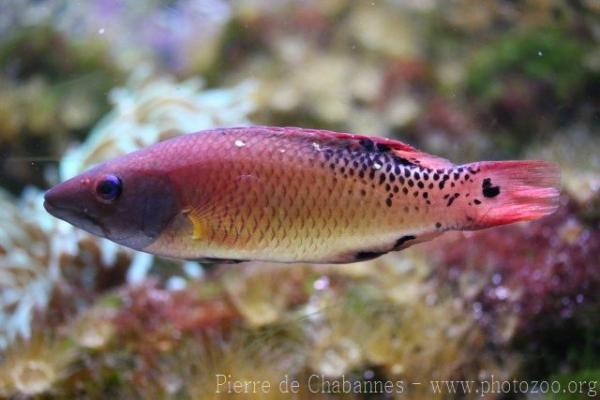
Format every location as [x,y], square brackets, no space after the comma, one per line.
[199,226]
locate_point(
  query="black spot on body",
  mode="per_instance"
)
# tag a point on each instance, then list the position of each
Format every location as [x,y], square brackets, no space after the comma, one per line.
[492,191]
[367,144]
[420,185]
[384,148]
[388,201]
[488,190]
[451,200]
[476,201]
[438,225]
[402,161]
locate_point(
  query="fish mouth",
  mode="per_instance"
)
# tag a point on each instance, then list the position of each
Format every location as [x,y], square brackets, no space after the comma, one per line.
[53,209]
[81,218]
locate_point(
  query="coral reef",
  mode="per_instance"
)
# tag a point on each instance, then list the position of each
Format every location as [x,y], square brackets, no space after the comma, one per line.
[532,282]
[332,322]
[43,262]
[35,366]
[176,36]
[82,82]
[27,271]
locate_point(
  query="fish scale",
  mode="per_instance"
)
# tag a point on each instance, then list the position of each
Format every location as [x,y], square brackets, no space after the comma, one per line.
[344,184]
[293,194]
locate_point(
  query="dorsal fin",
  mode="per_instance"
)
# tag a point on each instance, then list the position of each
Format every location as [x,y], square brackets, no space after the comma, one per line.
[399,148]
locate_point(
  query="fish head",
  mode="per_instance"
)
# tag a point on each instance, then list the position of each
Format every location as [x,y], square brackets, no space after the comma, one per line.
[126,204]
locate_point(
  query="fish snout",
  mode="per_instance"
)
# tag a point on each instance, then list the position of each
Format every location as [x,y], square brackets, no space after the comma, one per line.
[72,201]
[52,201]
[63,197]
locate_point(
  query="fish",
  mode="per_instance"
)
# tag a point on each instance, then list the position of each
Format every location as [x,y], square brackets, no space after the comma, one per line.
[287,194]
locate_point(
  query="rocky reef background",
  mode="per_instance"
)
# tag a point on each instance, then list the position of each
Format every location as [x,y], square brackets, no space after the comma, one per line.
[81,82]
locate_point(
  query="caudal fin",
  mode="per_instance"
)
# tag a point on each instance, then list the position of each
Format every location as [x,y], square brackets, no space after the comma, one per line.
[512,191]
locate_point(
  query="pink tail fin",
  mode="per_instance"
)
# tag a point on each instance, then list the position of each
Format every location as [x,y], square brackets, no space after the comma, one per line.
[513,191]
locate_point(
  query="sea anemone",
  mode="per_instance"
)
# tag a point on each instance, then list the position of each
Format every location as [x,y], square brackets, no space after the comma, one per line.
[32,367]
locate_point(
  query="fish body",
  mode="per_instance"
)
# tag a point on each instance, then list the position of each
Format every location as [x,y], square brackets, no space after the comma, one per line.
[293,194]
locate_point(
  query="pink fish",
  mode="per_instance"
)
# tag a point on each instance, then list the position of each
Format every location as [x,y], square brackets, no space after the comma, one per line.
[292,194]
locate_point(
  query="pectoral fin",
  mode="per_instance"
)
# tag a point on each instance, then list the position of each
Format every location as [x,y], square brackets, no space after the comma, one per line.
[199,225]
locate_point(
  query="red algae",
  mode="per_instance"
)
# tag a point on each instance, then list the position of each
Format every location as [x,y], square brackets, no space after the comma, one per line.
[149,310]
[545,272]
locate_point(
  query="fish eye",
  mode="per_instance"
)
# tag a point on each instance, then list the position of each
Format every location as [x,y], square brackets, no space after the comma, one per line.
[108,188]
